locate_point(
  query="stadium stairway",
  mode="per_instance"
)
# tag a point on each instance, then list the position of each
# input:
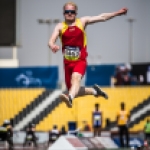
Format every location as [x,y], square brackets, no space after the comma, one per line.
[34,112]
[140,112]
[25,111]
[48,109]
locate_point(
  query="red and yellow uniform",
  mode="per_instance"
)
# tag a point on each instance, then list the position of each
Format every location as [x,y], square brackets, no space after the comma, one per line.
[74,44]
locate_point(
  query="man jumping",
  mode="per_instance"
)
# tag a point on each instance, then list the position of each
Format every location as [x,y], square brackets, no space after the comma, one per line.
[74,45]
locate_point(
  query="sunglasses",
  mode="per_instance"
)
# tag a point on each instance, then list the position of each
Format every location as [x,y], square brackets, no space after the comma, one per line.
[69,11]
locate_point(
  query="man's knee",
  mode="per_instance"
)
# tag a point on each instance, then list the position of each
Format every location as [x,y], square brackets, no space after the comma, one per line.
[76,77]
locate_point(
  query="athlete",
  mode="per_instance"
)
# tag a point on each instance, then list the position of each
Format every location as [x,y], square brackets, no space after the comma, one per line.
[123,119]
[73,37]
[97,119]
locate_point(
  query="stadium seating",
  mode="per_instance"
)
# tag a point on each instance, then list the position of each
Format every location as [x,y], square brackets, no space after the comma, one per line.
[12,101]
[83,107]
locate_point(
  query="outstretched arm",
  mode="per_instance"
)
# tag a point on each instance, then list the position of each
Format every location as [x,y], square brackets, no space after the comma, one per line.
[103,17]
[53,39]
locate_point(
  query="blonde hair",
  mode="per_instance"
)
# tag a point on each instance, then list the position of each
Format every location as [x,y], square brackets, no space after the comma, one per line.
[70,3]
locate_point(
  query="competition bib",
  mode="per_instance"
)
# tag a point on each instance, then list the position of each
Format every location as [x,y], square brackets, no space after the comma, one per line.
[71,53]
[97,117]
[122,117]
[54,137]
[29,137]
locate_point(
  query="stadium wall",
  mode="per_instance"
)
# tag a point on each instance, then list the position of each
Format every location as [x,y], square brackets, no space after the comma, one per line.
[106,41]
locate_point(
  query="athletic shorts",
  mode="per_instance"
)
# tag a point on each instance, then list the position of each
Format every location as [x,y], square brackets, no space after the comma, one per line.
[79,66]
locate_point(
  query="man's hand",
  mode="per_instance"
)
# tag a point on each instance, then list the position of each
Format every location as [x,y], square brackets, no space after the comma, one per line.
[54,48]
[122,11]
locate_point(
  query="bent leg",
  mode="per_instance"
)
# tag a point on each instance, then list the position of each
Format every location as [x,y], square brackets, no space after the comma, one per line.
[85,91]
[76,90]
[95,90]
[75,84]
[73,75]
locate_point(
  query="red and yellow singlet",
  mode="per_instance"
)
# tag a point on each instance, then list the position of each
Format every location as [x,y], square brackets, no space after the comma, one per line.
[74,42]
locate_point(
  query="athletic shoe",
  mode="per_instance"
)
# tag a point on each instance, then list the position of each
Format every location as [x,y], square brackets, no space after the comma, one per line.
[67,99]
[99,92]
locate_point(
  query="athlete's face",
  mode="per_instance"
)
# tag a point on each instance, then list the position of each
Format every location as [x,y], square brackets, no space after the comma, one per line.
[70,13]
